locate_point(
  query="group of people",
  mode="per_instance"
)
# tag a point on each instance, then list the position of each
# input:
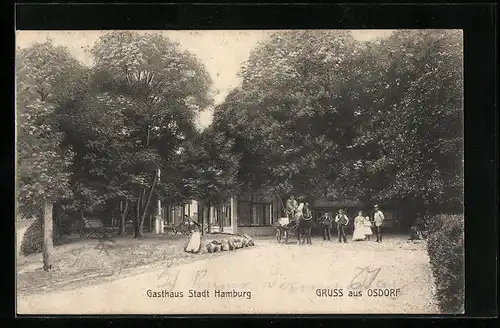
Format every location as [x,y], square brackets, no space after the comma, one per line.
[362,224]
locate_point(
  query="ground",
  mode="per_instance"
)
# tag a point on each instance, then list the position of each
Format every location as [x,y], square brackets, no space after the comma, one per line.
[78,261]
[281,279]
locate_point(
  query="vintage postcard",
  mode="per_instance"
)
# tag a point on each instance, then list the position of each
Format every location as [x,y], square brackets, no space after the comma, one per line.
[239,172]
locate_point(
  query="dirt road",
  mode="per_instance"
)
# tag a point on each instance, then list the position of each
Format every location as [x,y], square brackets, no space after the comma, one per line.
[268,278]
[19,237]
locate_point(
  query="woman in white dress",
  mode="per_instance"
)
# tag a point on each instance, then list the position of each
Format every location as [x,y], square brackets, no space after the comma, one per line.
[193,244]
[359,227]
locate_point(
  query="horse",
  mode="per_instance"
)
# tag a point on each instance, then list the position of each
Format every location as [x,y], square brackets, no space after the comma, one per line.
[305,223]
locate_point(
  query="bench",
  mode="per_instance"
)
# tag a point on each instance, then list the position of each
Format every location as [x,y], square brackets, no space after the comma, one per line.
[94,227]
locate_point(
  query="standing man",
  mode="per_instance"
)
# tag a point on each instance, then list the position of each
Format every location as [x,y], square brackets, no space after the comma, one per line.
[291,207]
[342,220]
[326,225]
[378,218]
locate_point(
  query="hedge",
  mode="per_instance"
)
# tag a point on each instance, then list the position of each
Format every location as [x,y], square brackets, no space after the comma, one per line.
[445,246]
[32,241]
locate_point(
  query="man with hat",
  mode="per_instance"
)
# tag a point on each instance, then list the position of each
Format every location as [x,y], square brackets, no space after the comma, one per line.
[378,219]
[326,225]
[342,221]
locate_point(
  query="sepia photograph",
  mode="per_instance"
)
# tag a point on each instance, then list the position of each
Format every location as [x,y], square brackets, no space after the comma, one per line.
[184,172]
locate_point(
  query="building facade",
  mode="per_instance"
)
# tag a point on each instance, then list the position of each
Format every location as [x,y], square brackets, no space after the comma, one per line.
[256,214]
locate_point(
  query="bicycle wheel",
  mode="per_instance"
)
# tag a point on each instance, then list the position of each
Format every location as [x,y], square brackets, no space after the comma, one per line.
[278,235]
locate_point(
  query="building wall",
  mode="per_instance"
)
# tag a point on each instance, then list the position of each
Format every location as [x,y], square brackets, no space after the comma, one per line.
[174,214]
[210,215]
[257,231]
[332,207]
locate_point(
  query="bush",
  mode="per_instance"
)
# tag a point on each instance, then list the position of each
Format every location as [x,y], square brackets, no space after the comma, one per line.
[445,246]
[32,241]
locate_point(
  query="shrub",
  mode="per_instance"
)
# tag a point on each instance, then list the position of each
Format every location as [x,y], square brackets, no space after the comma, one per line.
[445,246]
[32,241]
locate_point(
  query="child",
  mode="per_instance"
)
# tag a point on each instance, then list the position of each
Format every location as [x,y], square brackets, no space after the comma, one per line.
[368,228]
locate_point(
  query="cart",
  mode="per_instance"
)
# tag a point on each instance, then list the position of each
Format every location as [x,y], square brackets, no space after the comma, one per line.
[283,228]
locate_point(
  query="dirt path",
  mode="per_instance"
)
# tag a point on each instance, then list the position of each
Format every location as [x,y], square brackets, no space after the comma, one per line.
[19,238]
[281,279]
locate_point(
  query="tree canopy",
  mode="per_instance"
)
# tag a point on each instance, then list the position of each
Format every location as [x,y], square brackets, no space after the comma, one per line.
[317,113]
[44,74]
[323,114]
[133,112]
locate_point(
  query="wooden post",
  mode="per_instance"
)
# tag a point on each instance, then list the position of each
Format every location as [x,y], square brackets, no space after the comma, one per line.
[159,222]
[48,245]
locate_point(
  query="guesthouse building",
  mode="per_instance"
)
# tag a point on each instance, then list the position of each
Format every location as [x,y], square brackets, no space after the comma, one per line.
[256,214]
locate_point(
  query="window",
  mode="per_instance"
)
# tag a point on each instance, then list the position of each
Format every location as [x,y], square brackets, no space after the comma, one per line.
[256,212]
[222,214]
[268,214]
[244,213]
[218,214]
[257,215]
[227,214]
[215,215]
[177,214]
[165,215]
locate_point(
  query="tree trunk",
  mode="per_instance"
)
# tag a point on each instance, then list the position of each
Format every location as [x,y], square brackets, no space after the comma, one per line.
[137,216]
[145,210]
[143,199]
[123,215]
[141,218]
[201,210]
[150,222]
[48,244]
[56,232]
[209,224]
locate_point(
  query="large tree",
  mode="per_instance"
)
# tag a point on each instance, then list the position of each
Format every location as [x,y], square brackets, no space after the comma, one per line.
[45,74]
[411,146]
[136,118]
[325,115]
[292,116]
[217,165]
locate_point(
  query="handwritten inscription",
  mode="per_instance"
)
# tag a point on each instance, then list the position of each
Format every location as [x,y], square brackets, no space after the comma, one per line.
[363,283]
[364,278]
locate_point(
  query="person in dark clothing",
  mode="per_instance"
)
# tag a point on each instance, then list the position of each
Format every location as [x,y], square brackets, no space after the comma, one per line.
[291,208]
[326,226]
[342,221]
[378,219]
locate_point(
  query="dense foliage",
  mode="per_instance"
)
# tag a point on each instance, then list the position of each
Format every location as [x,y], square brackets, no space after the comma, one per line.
[45,74]
[411,147]
[100,134]
[445,246]
[325,115]
[318,113]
